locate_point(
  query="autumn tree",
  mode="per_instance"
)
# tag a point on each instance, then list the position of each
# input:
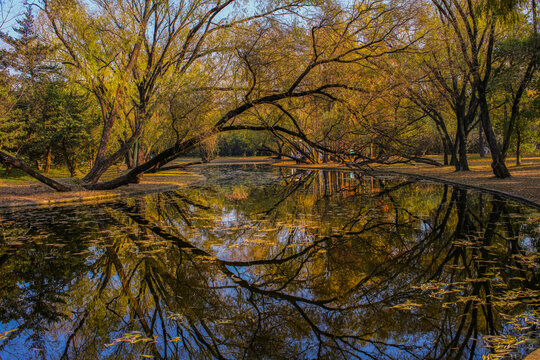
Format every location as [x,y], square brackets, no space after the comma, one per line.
[475,29]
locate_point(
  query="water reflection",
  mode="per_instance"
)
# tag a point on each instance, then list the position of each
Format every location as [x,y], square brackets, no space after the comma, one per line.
[269,264]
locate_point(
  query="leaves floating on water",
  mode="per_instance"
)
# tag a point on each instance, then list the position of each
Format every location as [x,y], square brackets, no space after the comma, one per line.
[407,306]
[4,335]
[133,338]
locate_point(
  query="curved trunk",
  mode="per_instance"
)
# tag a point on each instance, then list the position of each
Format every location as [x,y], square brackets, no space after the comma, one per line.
[102,164]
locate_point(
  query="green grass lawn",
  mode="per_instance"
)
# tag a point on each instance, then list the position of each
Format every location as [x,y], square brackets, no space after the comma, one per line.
[18,175]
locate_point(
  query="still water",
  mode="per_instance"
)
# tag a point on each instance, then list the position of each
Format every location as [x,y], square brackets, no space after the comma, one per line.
[259,262]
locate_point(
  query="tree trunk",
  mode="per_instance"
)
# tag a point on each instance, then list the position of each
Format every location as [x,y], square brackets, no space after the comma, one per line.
[463,162]
[128,158]
[71,164]
[48,160]
[481,150]
[164,157]
[445,151]
[497,159]
[518,147]
[461,140]
[9,168]
[101,164]
[11,161]
[140,152]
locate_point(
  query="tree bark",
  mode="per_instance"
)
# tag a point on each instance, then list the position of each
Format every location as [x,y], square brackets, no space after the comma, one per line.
[11,161]
[102,164]
[98,167]
[463,164]
[518,147]
[48,160]
[164,157]
[497,159]
[481,150]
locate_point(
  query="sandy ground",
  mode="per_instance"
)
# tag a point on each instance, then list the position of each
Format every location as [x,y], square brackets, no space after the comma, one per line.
[524,182]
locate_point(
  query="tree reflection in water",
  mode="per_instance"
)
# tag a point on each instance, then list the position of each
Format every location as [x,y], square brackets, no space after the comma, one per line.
[301,265]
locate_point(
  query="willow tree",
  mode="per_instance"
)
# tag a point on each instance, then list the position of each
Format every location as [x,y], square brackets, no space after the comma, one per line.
[270,58]
[121,50]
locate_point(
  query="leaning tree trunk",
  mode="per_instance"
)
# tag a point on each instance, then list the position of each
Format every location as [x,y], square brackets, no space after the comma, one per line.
[165,156]
[497,159]
[11,161]
[100,164]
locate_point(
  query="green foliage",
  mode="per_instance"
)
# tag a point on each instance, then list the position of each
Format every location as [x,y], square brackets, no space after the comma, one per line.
[241,143]
[44,118]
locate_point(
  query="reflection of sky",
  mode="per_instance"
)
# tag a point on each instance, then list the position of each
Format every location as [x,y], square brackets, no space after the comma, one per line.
[232,232]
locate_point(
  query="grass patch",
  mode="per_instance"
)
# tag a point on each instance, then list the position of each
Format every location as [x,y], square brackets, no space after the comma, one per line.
[18,175]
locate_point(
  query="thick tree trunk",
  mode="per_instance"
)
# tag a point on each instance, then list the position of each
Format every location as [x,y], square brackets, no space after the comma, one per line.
[141,151]
[11,161]
[102,164]
[463,164]
[128,158]
[497,159]
[164,157]
[461,139]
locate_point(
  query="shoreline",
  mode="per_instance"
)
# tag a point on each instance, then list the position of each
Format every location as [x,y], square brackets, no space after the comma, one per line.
[523,186]
[34,194]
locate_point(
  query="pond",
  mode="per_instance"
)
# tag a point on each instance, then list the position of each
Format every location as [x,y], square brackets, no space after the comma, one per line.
[262,262]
